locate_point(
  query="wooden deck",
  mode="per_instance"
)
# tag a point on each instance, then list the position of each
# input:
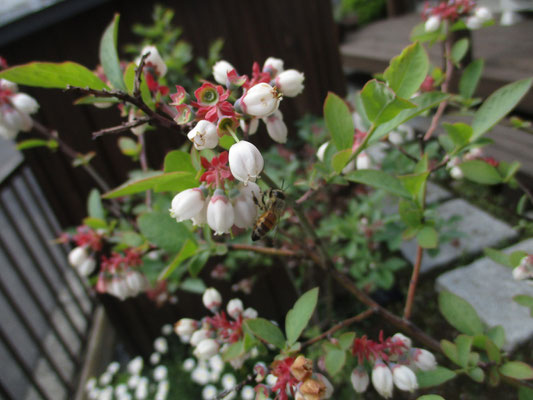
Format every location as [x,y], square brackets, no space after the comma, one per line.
[508,51]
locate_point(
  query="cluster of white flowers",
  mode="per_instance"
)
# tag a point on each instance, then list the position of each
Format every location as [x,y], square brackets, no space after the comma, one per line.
[524,270]
[475,20]
[15,110]
[80,259]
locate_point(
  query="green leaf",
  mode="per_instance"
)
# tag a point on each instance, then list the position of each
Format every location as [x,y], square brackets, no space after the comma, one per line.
[193,285]
[427,237]
[346,340]
[470,78]
[493,351]
[431,397]
[423,102]
[298,317]
[160,182]
[498,105]
[109,56]
[233,351]
[525,393]
[226,142]
[178,161]
[410,213]
[525,300]
[93,100]
[459,313]
[163,231]
[380,102]
[379,179]
[267,331]
[95,208]
[459,132]
[95,223]
[517,370]
[435,377]
[459,50]
[516,256]
[497,335]
[335,360]
[415,184]
[129,81]
[508,171]
[53,75]
[188,250]
[131,239]
[340,159]
[32,143]
[198,262]
[450,350]
[339,121]
[407,71]
[476,374]
[464,344]
[480,172]
[498,256]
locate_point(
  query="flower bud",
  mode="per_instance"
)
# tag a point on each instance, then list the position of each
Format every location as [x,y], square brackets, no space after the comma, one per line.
[204,135]
[260,100]
[24,103]
[154,60]
[320,153]
[220,213]
[160,373]
[245,161]
[483,14]
[135,281]
[473,22]
[77,256]
[382,379]
[245,212]
[520,273]
[456,172]
[432,23]
[424,360]
[249,313]
[248,393]
[235,308]
[404,378]
[228,381]
[198,336]
[119,288]
[220,71]
[400,338]
[161,345]
[187,204]
[276,128]
[189,364]
[8,85]
[206,349]
[135,366]
[155,358]
[185,327]
[362,162]
[360,380]
[290,82]
[87,267]
[274,66]
[200,375]
[212,299]
[209,392]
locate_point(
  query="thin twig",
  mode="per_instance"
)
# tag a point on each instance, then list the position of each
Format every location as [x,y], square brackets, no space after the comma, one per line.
[125,126]
[144,166]
[358,318]
[265,250]
[235,388]
[404,152]
[138,75]
[412,283]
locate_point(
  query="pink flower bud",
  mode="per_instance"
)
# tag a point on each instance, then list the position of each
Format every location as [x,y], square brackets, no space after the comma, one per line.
[24,103]
[290,82]
[404,378]
[185,327]
[424,360]
[520,273]
[204,135]
[220,71]
[154,60]
[206,349]
[432,23]
[77,256]
[276,128]
[187,204]
[382,379]
[360,379]
[220,213]
[260,100]
[235,308]
[274,66]
[87,267]
[212,299]
[245,161]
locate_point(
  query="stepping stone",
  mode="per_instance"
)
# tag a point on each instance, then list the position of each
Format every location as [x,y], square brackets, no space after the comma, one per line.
[481,230]
[489,287]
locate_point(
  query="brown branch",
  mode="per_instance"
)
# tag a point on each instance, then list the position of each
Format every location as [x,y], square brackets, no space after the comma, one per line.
[138,75]
[235,388]
[404,152]
[413,282]
[265,250]
[359,317]
[125,126]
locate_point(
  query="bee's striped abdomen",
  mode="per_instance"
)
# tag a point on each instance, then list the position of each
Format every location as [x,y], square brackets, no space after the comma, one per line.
[264,224]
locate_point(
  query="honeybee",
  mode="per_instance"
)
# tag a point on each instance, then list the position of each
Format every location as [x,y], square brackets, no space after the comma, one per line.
[272,209]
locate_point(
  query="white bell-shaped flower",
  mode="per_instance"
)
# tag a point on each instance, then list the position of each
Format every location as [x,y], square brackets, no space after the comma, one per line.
[260,100]
[290,82]
[360,380]
[135,366]
[404,378]
[204,135]
[220,214]
[483,14]
[77,256]
[154,59]
[185,327]
[198,336]
[432,23]
[220,71]
[187,204]
[136,282]
[473,22]
[212,299]
[245,161]
[24,103]
[245,211]
[273,65]
[119,288]
[206,349]
[276,127]
[235,308]
[382,379]
[160,373]
[424,360]
[87,267]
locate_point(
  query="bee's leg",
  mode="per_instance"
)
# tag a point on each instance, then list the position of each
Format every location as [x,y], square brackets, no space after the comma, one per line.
[256,201]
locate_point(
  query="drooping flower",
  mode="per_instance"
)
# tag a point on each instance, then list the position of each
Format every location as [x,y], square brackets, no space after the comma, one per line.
[154,60]
[290,82]
[423,359]
[220,213]
[359,379]
[382,379]
[204,135]
[276,127]
[235,308]
[245,161]
[206,349]
[220,71]
[404,378]
[432,23]
[187,204]
[260,100]
[212,299]
[273,66]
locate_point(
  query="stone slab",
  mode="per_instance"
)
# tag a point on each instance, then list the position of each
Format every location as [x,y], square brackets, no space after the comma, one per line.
[489,287]
[481,230]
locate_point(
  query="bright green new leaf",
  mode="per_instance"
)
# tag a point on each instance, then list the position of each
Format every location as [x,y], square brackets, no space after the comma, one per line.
[415,184]
[470,78]
[340,159]
[498,256]
[498,105]
[525,300]
[172,181]
[95,223]
[193,285]
[267,331]
[95,208]
[427,237]
[407,71]
[422,103]
[346,340]
[497,335]
[459,313]
[32,143]
[298,317]
[379,179]
[178,160]
[450,350]
[339,121]
[464,344]
[508,171]
[516,256]
[233,351]
[163,231]
[476,374]
[188,250]
[460,133]
[109,56]
[226,142]
[481,172]
[517,370]
[53,75]
[380,102]
[335,360]
[435,377]
[459,50]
